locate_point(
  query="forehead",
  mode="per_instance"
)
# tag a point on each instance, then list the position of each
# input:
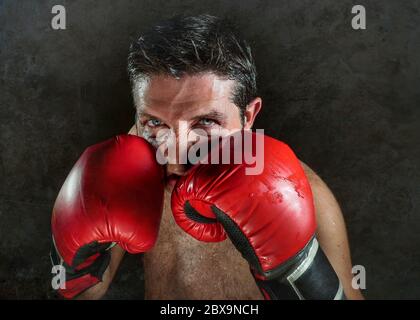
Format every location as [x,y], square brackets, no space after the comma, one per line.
[205,86]
[168,97]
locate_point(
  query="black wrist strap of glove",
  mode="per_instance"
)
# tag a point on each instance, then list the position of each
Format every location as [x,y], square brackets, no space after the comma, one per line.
[310,277]
[96,268]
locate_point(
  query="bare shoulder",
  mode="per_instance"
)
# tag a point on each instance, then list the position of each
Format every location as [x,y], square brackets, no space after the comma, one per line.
[313,178]
[323,195]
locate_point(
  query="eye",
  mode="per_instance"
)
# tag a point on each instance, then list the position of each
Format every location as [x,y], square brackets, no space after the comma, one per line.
[206,122]
[154,123]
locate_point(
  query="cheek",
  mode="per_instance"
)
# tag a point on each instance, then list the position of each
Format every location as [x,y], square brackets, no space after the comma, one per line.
[151,132]
[148,134]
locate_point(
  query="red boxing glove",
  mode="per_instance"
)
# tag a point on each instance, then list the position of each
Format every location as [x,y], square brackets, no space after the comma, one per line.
[113,194]
[269,217]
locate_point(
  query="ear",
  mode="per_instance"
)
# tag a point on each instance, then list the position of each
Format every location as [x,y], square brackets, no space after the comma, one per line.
[251,112]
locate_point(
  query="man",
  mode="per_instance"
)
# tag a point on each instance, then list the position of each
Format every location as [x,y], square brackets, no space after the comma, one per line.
[199,72]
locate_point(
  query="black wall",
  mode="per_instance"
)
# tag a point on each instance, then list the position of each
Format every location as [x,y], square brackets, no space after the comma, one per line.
[347,101]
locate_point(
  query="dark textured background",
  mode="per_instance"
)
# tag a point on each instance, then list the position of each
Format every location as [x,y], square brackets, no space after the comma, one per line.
[347,101]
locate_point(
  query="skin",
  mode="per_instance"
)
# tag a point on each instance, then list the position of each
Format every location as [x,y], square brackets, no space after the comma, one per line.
[98,291]
[179,265]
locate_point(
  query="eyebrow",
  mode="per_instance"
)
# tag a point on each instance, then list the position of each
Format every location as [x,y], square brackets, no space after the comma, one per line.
[148,115]
[214,114]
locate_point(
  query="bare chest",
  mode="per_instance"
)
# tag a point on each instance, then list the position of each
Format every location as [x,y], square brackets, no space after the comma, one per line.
[180,267]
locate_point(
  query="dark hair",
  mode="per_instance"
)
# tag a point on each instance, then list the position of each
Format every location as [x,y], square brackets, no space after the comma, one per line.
[190,45]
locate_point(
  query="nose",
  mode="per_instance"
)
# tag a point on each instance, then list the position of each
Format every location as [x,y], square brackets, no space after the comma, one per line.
[176,169]
[173,173]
